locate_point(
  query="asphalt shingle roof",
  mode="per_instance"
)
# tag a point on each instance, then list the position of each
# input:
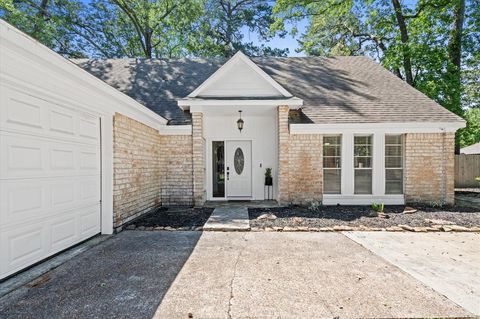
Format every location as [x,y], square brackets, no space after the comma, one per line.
[334,90]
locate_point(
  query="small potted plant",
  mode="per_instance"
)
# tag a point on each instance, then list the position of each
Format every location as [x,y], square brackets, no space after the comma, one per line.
[268,177]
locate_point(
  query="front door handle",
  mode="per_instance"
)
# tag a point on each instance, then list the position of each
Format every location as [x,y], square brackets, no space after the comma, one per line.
[228,176]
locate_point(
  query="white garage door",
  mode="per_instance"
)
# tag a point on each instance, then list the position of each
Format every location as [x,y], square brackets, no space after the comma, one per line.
[49,179]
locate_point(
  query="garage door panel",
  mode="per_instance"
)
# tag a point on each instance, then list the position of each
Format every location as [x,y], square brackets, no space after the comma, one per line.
[89,160]
[29,200]
[62,157]
[89,190]
[26,113]
[34,157]
[90,223]
[22,199]
[62,122]
[63,233]
[22,246]
[22,111]
[89,128]
[29,244]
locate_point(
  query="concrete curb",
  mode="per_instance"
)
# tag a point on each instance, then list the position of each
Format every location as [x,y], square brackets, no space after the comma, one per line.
[399,228]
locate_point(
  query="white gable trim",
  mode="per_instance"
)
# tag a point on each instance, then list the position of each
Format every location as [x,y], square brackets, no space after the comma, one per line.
[187,104]
[225,68]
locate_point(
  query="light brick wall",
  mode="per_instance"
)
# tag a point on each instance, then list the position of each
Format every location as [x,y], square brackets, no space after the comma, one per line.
[176,170]
[429,168]
[300,175]
[198,151]
[149,169]
[136,187]
[305,182]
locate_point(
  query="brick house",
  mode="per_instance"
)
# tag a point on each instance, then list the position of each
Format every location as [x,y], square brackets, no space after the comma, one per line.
[83,153]
[339,130]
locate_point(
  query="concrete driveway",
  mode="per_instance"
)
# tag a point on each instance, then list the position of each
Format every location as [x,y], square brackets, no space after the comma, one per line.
[447,262]
[295,275]
[227,275]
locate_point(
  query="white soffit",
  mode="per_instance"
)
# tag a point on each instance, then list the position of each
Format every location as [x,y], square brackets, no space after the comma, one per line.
[239,77]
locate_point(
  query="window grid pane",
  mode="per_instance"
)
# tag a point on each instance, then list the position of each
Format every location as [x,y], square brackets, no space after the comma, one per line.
[332,162]
[362,163]
[394,164]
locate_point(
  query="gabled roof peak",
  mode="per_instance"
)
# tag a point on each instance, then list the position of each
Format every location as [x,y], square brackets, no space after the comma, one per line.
[240,76]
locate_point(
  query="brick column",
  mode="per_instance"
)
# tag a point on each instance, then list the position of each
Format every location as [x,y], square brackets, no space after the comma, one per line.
[283,154]
[198,152]
[429,168]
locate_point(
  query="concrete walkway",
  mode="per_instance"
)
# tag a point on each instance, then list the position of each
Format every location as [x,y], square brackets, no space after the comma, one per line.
[447,262]
[234,218]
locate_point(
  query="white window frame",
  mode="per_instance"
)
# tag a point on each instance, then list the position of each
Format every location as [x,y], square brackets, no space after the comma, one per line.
[402,145]
[333,168]
[372,163]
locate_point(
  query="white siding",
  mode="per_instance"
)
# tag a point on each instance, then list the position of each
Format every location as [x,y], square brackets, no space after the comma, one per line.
[238,81]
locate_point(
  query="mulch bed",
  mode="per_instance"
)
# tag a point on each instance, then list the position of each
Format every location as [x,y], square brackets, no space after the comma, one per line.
[358,216]
[172,218]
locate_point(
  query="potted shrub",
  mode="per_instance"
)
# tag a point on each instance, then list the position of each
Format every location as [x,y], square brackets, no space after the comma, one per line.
[268,177]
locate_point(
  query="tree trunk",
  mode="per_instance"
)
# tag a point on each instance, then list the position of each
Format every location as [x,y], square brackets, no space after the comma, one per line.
[407,61]
[455,57]
[41,15]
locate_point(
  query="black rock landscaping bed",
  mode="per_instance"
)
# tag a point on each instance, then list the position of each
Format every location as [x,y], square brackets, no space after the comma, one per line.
[172,218]
[329,218]
[469,192]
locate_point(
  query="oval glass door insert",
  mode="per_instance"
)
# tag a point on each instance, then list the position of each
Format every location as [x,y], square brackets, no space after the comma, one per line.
[239,161]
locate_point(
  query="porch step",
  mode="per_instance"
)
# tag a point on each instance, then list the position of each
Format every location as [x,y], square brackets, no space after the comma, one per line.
[228,219]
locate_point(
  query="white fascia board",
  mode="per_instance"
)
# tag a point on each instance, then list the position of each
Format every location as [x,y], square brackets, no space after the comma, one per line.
[329,199]
[24,45]
[175,130]
[187,104]
[225,68]
[393,128]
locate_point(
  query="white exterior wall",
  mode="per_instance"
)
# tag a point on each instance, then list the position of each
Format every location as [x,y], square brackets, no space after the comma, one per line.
[261,130]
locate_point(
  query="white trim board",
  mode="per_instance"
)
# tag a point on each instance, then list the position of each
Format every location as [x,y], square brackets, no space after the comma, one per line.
[329,199]
[393,128]
[224,69]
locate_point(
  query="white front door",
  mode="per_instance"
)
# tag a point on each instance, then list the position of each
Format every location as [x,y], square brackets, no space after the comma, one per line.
[238,158]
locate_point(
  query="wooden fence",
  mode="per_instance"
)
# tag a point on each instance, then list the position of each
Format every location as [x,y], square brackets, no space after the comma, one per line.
[467,167]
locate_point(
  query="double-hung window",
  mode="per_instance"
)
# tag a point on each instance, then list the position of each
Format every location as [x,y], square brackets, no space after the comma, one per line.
[362,163]
[332,164]
[393,164]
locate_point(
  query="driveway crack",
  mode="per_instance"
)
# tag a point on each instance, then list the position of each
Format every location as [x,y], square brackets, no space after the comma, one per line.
[229,312]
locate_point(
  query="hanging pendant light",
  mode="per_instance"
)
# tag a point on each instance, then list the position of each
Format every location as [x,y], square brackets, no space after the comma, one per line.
[240,122]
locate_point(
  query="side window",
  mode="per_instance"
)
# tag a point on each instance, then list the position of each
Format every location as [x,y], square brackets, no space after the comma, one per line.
[332,164]
[394,164]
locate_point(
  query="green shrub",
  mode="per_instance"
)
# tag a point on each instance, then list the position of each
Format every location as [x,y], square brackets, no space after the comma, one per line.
[378,207]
